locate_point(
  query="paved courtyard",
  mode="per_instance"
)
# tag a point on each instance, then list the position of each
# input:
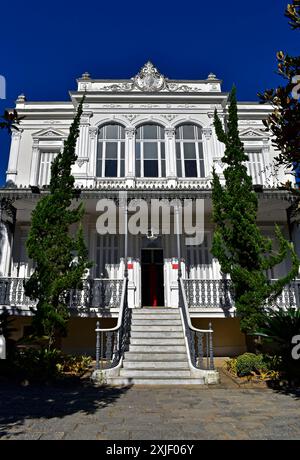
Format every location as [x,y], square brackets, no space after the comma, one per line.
[141,413]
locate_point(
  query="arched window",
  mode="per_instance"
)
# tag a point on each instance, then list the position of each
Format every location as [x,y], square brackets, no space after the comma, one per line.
[189,151]
[150,157]
[111,151]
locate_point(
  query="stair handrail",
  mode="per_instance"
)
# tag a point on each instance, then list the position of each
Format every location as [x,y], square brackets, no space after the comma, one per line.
[188,327]
[121,331]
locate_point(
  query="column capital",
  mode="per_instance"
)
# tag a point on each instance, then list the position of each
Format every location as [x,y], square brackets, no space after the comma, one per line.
[170,132]
[129,132]
[93,132]
[85,118]
[207,133]
[16,133]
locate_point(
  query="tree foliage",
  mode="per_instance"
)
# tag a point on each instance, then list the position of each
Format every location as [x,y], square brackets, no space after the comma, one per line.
[10,120]
[293,13]
[243,252]
[60,258]
[284,121]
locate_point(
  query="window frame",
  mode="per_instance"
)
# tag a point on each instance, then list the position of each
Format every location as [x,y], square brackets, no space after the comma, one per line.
[256,164]
[104,141]
[54,151]
[181,141]
[161,152]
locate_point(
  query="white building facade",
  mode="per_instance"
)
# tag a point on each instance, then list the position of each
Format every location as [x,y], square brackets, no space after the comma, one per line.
[145,138]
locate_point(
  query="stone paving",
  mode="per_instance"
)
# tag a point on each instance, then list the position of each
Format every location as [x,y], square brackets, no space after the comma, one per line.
[141,413]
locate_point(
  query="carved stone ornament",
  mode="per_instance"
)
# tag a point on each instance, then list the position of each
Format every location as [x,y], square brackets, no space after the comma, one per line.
[130,116]
[81,161]
[207,133]
[93,132]
[149,80]
[170,133]
[129,133]
[169,117]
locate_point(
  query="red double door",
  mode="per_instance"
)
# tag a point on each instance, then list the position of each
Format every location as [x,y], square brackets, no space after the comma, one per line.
[152,278]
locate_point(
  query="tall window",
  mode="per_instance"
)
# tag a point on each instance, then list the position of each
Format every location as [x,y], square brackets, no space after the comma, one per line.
[46,159]
[255,166]
[107,256]
[150,157]
[189,151]
[111,151]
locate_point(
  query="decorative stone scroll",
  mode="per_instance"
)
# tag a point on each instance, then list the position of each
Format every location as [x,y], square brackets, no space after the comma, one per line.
[149,79]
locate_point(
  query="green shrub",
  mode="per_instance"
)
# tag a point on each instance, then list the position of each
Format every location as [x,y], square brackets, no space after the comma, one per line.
[248,363]
[38,365]
[75,365]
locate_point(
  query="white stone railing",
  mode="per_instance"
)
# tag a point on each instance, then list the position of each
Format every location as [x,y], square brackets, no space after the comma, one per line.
[218,294]
[152,183]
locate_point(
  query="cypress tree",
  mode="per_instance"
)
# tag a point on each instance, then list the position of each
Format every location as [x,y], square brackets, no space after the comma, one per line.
[243,252]
[60,257]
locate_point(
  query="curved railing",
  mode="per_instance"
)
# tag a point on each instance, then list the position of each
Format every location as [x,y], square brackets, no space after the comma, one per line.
[199,341]
[111,343]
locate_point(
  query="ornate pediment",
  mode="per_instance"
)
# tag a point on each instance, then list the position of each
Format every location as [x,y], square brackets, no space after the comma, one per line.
[149,79]
[253,134]
[49,133]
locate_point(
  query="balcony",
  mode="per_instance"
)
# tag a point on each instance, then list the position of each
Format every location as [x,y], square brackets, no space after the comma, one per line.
[153,183]
[218,294]
[96,295]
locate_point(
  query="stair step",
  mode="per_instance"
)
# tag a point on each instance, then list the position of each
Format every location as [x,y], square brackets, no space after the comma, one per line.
[157,348]
[156,334]
[155,365]
[163,341]
[119,381]
[151,373]
[156,317]
[156,328]
[154,357]
[155,322]
[155,311]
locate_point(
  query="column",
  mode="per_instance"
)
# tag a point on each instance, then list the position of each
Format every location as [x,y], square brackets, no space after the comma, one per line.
[82,147]
[92,152]
[129,152]
[11,173]
[170,153]
[34,169]
[207,151]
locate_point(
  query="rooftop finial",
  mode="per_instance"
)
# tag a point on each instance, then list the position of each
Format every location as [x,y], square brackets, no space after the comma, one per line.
[212,76]
[86,76]
[21,98]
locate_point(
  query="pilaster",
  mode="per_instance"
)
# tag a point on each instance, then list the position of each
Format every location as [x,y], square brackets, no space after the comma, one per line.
[170,153]
[34,163]
[11,173]
[83,146]
[129,153]
[93,151]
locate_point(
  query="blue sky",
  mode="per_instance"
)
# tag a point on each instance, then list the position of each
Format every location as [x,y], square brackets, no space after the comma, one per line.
[45,46]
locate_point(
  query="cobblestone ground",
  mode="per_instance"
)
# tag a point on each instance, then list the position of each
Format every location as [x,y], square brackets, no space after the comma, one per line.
[140,413]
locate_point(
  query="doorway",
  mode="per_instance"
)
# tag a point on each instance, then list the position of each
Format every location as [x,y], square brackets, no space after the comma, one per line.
[152,265]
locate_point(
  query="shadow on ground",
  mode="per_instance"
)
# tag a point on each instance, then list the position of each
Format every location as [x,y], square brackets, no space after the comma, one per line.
[285,390]
[20,404]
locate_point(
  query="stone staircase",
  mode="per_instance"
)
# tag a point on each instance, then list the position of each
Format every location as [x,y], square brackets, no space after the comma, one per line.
[157,352]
